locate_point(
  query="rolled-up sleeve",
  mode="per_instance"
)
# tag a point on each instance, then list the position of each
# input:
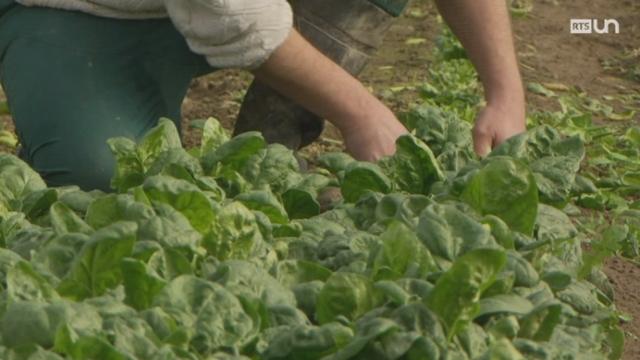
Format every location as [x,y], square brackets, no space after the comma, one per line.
[232,33]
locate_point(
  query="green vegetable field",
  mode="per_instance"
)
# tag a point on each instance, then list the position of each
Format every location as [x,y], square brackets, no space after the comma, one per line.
[224,250]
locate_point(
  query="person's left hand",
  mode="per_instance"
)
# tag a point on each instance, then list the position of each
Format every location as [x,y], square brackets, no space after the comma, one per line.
[497,123]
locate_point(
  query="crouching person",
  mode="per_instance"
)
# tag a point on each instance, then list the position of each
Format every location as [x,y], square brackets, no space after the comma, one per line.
[78,72]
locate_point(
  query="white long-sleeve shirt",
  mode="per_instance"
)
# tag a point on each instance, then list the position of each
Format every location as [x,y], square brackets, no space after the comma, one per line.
[229,33]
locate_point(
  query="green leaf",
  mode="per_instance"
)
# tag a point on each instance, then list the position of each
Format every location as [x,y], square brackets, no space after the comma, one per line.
[25,284]
[185,197]
[57,255]
[170,263]
[266,202]
[505,188]
[611,241]
[65,220]
[500,231]
[41,354]
[8,138]
[307,342]
[473,340]
[97,268]
[555,177]
[25,241]
[177,163]
[633,135]
[234,233]
[345,294]
[335,162]
[213,136]
[170,228]
[393,292]
[401,255]
[293,272]
[370,333]
[78,200]
[525,273]
[4,108]
[80,347]
[129,170]
[456,294]
[504,304]
[444,133]
[580,295]
[448,232]
[161,138]
[274,167]
[249,281]
[554,160]
[141,284]
[502,349]
[413,167]
[38,203]
[134,160]
[553,225]
[539,325]
[18,180]
[111,208]
[631,179]
[400,207]
[300,203]
[233,155]
[616,341]
[361,178]
[135,337]
[212,317]
[27,323]
[507,326]
[539,89]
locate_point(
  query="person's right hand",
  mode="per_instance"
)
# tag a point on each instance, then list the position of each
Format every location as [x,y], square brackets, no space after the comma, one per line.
[374,135]
[300,72]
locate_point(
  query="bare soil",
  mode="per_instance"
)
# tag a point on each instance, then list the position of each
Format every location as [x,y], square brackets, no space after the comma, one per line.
[625,277]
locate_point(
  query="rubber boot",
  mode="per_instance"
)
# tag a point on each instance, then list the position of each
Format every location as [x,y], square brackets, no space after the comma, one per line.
[346,31]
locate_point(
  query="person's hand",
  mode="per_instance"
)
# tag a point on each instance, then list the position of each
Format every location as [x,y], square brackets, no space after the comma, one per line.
[299,71]
[374,136]
[497,123]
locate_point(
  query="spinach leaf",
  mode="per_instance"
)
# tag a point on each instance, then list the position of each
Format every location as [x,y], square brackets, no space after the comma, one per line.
[456,294]
[97,268]
[506,188]
[345,294]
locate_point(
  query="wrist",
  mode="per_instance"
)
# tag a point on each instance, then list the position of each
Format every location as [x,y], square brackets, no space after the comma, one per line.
[510,92]
[510,108]
[362,113]
[511,102]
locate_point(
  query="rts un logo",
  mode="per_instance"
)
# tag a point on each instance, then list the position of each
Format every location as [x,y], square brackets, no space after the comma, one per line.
[590,26]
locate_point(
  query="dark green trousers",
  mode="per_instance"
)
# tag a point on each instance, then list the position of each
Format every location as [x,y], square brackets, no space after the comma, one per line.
[74,80]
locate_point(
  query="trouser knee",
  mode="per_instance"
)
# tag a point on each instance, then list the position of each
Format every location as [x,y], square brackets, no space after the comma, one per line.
[87,164]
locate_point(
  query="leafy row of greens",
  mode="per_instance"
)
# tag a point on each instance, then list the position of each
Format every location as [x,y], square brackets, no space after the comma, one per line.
[222,252]
[610,173]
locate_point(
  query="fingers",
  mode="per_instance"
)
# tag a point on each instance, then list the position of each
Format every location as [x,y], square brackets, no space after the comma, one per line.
[375,140]
[482,142]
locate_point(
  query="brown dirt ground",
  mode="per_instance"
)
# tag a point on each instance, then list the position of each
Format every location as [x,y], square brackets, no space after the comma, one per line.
[625,278]
[547,52]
